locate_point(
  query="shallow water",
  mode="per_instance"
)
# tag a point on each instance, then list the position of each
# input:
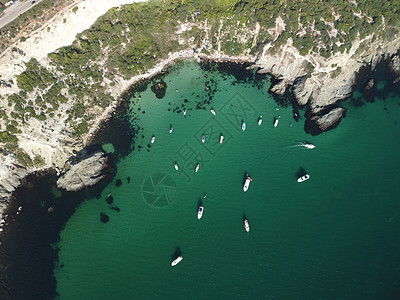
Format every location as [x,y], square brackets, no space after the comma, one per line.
[334,236]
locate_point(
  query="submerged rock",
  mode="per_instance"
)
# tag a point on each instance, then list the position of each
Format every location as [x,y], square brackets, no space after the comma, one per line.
[159,89]
[104,218]
[86,172]
[118,183]
[110,199]
[324,121]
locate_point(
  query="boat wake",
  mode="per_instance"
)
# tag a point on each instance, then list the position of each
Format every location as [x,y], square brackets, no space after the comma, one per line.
[306,145]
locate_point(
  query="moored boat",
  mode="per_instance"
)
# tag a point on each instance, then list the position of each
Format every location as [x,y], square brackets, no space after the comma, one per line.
[247,183]
[203,138]
[177,261]
[212,111]
[303,178]
[176,166]
[200,212]
[153,139]
[243,125]
[276,122]
[221,139]
[259,120]
[170,129]
[184,112]
[197,168]
[246,225]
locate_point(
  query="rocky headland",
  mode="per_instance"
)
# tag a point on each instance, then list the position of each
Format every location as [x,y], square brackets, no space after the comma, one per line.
[317,82]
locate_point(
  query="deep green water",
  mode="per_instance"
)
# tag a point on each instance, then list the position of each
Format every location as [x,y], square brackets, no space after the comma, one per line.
[335,236]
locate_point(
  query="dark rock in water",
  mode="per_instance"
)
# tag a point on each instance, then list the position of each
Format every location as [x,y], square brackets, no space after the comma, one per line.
[104,218]
[324,121]
[159,89]
[186,100]
[115,208]
[128,179]
[118,183]
[394,68]
[110,199]
[369,91]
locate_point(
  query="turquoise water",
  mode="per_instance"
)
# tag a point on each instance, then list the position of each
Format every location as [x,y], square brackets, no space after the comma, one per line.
[334,236]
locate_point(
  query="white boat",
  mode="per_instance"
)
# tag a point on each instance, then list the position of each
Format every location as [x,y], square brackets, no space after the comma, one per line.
[177,261]
[303,178]
[184,112]
[200,212]
[243,126]
[153,139]
[197,168]
[259,120]
[203,138]
[309,146]
[213,111]
[276,122]
[247,183]
[221,139]
[246,225]
[170,129]
[176,166]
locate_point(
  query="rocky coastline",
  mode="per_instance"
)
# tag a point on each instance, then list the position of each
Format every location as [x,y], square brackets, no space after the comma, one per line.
[318,84]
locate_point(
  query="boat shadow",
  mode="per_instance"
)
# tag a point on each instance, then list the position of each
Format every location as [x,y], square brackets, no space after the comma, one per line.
[176,253]
[301,172]
[244,217]
[199,202]
[245,174]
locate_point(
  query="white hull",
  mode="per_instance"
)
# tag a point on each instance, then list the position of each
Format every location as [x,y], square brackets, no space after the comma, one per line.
[243,126]
[170,130]
[309,146]
[176,261]
[246,226]
[259,121]
[184,112]
[200,212]
[153,139]
[221,139]
[197,168]
[176,167]
[276,122]
[203,139]
[213,112]
[303,178]
[247,183]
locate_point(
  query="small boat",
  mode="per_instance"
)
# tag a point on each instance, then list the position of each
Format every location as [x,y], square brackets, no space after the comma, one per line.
[309,146]
[200,212]
[177,261]
[303,178]
[170,129]
[153,139]
[213,111]
[197,168]
[259,120]
[246,225]
[184,112]
[176,166]
[203,138]
[221,139]
[243,126]
[247,183]
[276,122]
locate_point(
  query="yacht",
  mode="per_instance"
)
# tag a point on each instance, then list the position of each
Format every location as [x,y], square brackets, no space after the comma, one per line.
[184,112]
[197,168]
[243,126]
[153,139]
[246,225]
[176,166]
[221,139]
[247,183]
[213,111]
[177,261]
[259,120]
[200,212]
[276,122]
[303,178]
[170,129]
[309,145]
[203,138]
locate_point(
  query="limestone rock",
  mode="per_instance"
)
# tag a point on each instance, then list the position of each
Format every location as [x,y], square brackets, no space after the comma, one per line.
[302,90]
[324,121]
[9,183]
[87,172]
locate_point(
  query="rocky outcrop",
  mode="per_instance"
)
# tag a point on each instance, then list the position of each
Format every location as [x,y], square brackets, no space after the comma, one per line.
[10,182]
[324,121]
[88,171]
[394,68]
